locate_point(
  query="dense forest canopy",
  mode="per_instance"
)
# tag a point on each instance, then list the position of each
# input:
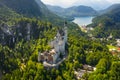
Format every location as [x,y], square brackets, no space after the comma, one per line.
[19,57]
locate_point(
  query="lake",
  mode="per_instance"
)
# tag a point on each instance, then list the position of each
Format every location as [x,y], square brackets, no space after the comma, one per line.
[83,20]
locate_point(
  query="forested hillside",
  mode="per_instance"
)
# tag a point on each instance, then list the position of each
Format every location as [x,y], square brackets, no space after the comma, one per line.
[6,14]
[26,30]
[108,23]
[32,8]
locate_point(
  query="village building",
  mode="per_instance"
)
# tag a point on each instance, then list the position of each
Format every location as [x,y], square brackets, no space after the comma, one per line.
[118,42]
[57,48]
[86,69]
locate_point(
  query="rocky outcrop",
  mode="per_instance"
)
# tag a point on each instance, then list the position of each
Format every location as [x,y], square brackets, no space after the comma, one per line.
[11,34]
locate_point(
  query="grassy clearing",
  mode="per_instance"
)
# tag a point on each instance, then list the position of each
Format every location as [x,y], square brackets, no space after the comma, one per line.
[111,47]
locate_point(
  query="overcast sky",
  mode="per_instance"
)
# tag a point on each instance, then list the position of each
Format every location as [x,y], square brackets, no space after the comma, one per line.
[96,4]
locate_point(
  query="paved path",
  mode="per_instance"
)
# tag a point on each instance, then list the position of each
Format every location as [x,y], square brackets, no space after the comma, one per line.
[53,65]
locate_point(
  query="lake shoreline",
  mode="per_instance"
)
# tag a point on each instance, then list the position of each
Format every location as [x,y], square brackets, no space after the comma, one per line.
[83,21]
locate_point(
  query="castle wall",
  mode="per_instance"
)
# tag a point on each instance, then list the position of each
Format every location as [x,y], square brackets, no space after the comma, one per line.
[65,37]
[62,48]
[55,56]
[57,48]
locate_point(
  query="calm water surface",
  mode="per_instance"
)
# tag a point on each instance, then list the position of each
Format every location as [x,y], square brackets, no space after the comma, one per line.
[83,20]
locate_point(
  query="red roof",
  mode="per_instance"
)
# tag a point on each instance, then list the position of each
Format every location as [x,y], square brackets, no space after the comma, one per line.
[119,49]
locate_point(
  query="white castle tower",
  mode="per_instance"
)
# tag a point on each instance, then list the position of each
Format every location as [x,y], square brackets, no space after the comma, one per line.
[65,30]
[60,40]
[58,47]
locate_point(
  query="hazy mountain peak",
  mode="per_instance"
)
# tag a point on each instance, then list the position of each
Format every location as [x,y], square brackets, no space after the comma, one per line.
[96,4]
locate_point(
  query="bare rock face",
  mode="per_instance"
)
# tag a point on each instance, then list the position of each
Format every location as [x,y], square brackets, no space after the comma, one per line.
[0,74]
[10,35]
[5,34]
[28,28]
[5,28]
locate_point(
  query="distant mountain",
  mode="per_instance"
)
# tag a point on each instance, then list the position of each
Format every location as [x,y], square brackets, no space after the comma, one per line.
[56,9]
[108,23]
[109,9]
[75,11]
[113,7]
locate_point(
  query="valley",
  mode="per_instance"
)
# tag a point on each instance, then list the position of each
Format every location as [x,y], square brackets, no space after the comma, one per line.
[43,42]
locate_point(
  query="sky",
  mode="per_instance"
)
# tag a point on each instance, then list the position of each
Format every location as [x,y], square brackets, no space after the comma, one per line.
[96,4]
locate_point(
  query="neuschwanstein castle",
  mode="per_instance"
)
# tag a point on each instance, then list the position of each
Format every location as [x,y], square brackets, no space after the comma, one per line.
[58,47]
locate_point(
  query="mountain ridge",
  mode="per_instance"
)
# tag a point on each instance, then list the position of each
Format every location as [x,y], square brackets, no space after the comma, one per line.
[75,11]
[31,8]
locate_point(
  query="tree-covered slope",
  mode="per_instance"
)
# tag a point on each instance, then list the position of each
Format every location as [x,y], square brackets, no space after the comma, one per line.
[25,7]
[114,6]
[26,37]
[31,8]
[6,14]
[108,23]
